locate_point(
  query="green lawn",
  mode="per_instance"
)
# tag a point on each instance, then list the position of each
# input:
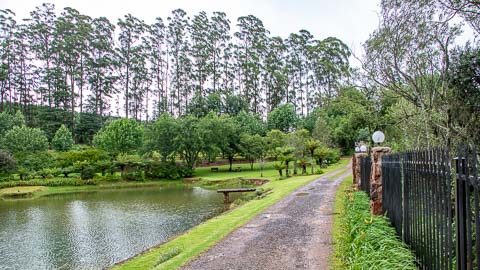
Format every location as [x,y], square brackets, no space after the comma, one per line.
[189,245]
[268,171]
[337,230]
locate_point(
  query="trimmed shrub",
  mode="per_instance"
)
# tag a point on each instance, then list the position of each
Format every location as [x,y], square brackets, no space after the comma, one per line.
[166,170]
[88,172]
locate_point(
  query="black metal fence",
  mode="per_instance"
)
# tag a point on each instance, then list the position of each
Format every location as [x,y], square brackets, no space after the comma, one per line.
[433,201]
[392,190]
[365,169]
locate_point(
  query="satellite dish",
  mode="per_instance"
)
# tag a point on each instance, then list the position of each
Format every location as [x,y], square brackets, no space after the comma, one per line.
[363,148]
[357,149]
[378,137]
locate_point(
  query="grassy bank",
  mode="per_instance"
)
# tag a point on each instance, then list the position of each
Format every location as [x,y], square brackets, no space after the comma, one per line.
[364,241]
[35,188]
[34,192]
[185,247]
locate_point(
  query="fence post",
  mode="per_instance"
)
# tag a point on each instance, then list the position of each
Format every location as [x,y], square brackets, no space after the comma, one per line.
[461,213]
[356,168]
[376,179]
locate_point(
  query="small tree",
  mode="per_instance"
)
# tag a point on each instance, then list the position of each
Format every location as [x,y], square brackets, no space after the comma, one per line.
[283,118]
[189,140]
[312,145]
[7,163]
[320,154]
[297,140]
[120,136]
[274,139]
[63,140]
[286,155]
[160,136]
[24,139]
[8,121]
[279,166]
[252,147]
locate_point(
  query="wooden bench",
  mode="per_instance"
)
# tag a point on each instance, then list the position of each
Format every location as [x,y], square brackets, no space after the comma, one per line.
[238,169]
[226,192]
[214,169]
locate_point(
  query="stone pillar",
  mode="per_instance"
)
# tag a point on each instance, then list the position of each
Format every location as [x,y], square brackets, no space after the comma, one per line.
[356,169]
[376,179]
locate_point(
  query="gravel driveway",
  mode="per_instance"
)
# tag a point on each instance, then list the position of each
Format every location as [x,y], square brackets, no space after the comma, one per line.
[292,234]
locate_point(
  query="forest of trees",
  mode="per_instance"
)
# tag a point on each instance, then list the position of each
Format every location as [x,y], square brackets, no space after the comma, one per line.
[418,82]
[180,64]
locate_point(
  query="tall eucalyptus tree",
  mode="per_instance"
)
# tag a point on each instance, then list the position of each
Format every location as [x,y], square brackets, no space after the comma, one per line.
[41,25]
[219,38]
[129,56]
[180,87]
[251,48]
[158,59]
[101,66]
[7,55]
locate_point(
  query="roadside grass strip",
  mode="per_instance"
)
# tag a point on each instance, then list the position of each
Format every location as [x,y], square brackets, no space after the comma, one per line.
[189,245]
[362,240]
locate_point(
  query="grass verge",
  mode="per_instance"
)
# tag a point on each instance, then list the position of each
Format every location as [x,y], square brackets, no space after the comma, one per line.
[189,245]
[34,192]
[362,240]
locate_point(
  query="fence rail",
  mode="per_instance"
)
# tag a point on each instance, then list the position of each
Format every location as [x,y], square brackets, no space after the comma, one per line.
[365,169]
[433,201]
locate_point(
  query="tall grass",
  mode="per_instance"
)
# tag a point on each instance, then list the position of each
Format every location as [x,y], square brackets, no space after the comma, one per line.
[365,241]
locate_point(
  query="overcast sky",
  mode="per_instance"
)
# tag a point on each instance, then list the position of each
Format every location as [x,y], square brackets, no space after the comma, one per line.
[350,20]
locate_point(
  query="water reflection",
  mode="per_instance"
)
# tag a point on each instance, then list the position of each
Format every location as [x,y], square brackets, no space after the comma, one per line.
[95,230]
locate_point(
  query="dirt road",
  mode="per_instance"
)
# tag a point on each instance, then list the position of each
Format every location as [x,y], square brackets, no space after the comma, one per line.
[292,234]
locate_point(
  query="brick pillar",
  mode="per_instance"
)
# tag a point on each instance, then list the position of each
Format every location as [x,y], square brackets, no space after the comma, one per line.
[376,179]
[356,169]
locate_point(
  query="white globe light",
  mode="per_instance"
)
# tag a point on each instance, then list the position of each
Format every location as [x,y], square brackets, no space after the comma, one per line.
[357,149]
[363,148]
[378,137]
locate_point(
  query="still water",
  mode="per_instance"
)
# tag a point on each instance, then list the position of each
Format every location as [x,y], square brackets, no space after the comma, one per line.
[97,229]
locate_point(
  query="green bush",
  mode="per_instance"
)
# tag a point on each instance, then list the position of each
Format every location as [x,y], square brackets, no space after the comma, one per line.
[25,174]
[166,170]
[136,175]
[7,163]
[49,182]
[367,241]
[109,178]
[332,156]
[103,166]
[49,172]
[90,155]
[68,170]
[35,161]
[87,172]
[24,139]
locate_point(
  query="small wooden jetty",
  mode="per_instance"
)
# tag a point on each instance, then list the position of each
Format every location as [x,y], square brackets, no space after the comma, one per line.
[226,192]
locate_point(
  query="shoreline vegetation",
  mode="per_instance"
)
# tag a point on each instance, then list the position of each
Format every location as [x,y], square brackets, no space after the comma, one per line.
[203,177]
[187,246]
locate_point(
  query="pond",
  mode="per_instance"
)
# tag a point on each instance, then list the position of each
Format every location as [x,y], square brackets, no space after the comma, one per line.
[97,229]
